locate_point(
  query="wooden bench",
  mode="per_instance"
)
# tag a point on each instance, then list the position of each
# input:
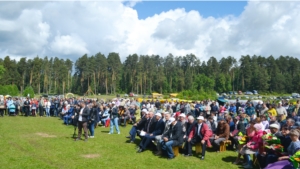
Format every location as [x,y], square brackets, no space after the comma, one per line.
[198,148]
[223,145]
[176,150]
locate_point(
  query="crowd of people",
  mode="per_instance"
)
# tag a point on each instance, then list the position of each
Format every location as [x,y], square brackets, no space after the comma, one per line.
[163,125]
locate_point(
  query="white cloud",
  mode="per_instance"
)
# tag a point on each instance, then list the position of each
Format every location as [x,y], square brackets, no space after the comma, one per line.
[68,44]
[75,28]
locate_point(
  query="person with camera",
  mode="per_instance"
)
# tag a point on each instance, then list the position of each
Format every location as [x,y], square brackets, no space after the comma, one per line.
[82,121]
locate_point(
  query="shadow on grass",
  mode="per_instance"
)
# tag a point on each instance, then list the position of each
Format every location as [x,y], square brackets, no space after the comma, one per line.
[229,159]
[104,131]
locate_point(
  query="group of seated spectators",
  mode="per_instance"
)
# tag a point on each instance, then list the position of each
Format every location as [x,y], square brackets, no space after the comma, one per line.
[204,123]
[245,129]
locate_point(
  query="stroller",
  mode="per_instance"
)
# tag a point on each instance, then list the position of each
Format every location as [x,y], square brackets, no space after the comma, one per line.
[12,109]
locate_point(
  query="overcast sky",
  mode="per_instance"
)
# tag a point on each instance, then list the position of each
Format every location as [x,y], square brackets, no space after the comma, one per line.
[71,29]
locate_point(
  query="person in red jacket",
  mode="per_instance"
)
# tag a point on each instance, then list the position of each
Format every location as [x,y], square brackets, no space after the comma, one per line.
[199,134]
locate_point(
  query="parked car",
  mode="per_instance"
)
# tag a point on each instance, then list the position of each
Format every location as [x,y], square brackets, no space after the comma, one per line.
[287,97]
[125,95]
[248,93]
[255,92]
[235,93]
[295,95]
[230,92]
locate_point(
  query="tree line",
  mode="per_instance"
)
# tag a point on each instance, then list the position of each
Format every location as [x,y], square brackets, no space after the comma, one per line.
[144,74]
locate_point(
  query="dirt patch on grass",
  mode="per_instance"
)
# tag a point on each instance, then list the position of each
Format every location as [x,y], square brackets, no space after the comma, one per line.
[91,155]
[45,135]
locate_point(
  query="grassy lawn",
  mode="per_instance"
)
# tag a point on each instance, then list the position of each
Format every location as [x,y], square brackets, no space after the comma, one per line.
[36,142]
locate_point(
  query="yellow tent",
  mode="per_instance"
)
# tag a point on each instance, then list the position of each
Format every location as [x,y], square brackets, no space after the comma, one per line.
[156,95]
[173,94]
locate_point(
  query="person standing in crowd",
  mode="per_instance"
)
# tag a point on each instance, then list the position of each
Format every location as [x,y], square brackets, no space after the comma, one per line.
[2,107]
[56,105]
[41,107]
[26,107]
[172,138]
[114,118]
[199,134]
[47,107]
[92,120]
[82,121]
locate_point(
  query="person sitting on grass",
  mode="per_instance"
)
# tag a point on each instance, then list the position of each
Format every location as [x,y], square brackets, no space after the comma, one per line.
[199,134]
[172,138]
[159,128]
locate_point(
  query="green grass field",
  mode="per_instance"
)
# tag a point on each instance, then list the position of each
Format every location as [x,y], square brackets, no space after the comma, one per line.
[35,142]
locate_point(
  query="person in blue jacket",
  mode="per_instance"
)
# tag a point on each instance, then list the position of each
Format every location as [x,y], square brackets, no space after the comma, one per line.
[250,111]
[232,109]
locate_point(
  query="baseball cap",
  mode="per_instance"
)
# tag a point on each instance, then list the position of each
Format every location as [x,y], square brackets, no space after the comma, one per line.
[182,115]
[158,114]
[274,126]
[200,118]
[171,120]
